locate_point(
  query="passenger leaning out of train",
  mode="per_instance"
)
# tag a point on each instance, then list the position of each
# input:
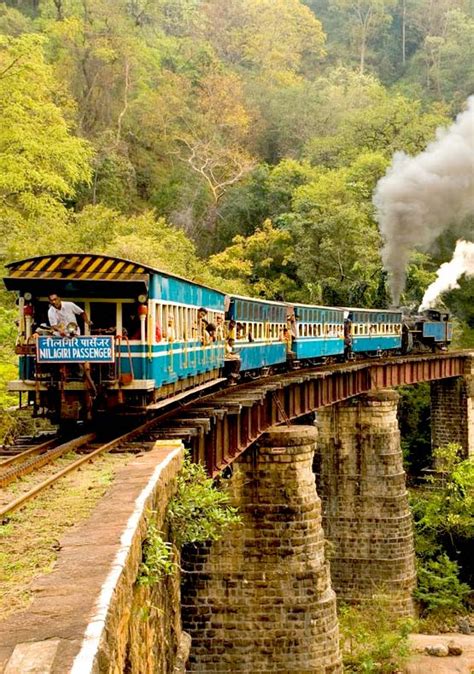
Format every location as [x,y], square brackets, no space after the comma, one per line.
[232,330]
[203,335]
[291,324]
[287,338]
[62,316]
[232,361]
[347,338]
[220,329]
[211,333]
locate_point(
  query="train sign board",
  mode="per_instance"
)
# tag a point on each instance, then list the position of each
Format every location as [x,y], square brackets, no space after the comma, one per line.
[79,349]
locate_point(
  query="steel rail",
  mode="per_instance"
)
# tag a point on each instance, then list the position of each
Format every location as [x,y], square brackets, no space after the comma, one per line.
[47,457]
[17,503]
[37,449]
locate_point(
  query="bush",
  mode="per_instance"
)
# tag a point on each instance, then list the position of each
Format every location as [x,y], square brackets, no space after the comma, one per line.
[444,527]
[439,588]
[157,559]
[199,511]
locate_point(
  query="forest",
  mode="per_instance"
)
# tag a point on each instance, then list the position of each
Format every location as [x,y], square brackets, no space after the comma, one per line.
[235,143]
[238,143]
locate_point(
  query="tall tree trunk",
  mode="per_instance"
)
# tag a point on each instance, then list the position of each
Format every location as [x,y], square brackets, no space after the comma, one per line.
[362,53]
[404,27]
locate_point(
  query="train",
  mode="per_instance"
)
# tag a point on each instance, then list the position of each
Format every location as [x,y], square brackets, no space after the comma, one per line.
[143,337]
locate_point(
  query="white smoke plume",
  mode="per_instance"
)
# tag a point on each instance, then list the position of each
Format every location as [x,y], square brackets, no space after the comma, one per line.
[449,273]
[420,196]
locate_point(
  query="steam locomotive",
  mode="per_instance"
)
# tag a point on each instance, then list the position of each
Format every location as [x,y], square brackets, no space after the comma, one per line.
[155,336]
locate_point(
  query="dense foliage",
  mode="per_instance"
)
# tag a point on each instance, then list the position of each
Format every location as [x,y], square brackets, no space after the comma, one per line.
[236,143]
[250,130]
[444,531]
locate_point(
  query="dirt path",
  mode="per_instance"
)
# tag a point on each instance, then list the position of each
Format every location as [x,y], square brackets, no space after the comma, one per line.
[452,664]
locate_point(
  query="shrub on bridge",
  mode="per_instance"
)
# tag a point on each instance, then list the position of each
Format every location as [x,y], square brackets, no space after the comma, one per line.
[199,511]
[158,557]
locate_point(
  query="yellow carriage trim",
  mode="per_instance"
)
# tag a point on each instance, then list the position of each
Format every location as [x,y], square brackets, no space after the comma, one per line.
[78,266]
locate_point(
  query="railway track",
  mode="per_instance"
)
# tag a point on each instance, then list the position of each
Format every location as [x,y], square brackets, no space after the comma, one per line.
[39,459]
[16,455]
[36,457]
[43,457]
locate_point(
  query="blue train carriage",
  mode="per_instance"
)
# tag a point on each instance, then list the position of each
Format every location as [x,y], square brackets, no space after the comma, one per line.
[146,341]
[374,331]
[258,331]
[318,332]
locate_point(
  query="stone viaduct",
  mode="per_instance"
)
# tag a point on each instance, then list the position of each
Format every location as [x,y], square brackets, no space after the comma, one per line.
[264,598]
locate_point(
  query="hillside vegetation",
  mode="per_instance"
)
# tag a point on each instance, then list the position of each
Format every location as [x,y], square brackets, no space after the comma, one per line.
[236,143]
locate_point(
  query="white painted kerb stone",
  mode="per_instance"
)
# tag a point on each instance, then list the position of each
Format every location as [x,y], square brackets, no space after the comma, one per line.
[85,660]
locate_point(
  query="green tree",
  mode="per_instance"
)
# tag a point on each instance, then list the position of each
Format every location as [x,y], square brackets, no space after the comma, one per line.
[338,239]
[41,162]
[391,124]
[443,63]
[263,263]
[278,39]
[367,18]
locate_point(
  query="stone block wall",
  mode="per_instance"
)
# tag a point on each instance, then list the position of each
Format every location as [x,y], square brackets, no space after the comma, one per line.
[452,411]
[360,477]
[89,615]
[261,599]
[143,628]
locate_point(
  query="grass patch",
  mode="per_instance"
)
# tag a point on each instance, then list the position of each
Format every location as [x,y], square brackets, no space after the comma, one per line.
[29,540]
[372,638]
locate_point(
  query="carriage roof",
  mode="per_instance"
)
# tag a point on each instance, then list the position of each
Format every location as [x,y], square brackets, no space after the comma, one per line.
[61,272]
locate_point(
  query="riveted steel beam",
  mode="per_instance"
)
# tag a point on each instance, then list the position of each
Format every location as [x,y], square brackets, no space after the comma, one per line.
[239,415]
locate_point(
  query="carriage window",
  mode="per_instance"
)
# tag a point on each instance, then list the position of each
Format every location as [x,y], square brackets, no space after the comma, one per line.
[180,329]
[187,324]
[250,332]
[194,323]
[104,315]
[171,324]
[158,322]
[177,322]
[130,320]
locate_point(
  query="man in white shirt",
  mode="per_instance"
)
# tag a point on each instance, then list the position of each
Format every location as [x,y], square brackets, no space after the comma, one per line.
[61,314]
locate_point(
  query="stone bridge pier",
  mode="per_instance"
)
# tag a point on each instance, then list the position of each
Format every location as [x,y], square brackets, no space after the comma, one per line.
[452,410]
[361,481]
[261,599]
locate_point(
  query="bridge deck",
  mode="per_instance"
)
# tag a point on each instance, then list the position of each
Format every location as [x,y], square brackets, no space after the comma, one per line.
[240,414]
